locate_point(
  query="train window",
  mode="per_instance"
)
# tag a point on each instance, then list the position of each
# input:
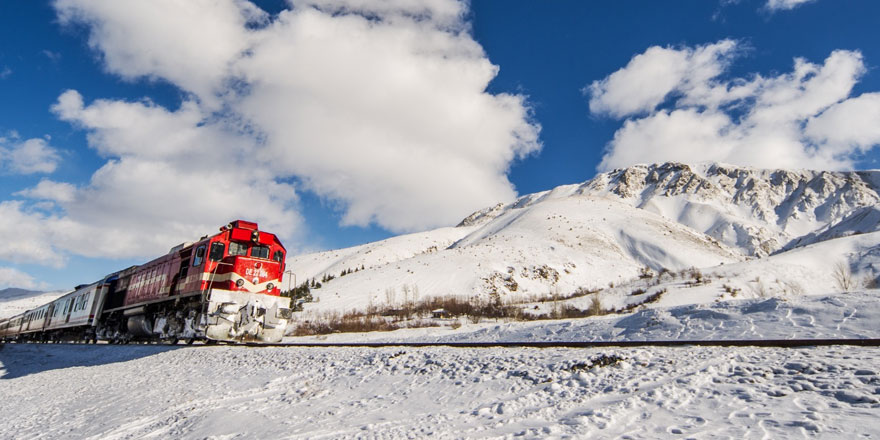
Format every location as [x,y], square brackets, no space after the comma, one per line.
[217,250]
[236,248]
[184,268]
[279,256]
[200,256]
[260,251]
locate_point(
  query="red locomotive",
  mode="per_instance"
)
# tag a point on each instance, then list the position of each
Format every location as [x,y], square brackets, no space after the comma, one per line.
[224,287]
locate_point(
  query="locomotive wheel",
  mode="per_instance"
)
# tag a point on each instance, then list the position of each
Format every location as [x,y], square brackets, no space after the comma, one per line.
[170,341]
[189,341]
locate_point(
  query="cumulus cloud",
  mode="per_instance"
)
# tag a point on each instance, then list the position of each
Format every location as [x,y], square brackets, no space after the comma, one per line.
[850,124]
[390,117]
[27,235]
[51,191]
[784,5]
[802,119]
[29,156]
[189,44]
[379,108]
[10,277]
[170,174]
[650,77]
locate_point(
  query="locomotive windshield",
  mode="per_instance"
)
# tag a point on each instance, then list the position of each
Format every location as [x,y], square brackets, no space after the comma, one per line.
[260,251]
[236,248]
[217,250]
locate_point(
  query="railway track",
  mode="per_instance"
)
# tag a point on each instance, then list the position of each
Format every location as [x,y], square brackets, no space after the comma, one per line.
[597,344]
[778,343]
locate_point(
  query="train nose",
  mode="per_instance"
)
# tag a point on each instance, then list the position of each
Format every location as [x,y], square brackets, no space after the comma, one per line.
[247,317]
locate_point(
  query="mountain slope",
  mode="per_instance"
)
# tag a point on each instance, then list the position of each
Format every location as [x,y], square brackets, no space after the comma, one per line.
[757,211]
[557,246]
[14,301]
[607,230]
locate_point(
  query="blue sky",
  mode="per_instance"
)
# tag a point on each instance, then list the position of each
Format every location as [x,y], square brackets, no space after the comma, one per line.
[127,129]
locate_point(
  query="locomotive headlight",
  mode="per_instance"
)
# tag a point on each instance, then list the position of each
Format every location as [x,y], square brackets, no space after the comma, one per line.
[239,282]
[270,286]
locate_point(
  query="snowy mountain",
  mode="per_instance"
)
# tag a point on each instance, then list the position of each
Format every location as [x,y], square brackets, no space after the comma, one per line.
[756,211]
[609,229]
[14,301]
[14,292]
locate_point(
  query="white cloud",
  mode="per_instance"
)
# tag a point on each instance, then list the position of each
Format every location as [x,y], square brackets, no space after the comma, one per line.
[52,56]
[27,236]
[170,174]
[189,43]
[802,119]
[50,190]
[650,77]
[10,277]
[390,118]
[29,156]
[379,107]
[444,13]
[853,123]
[784,5]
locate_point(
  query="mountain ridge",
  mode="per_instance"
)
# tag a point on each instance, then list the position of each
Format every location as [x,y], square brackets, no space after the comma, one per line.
[608,230]
[760,210]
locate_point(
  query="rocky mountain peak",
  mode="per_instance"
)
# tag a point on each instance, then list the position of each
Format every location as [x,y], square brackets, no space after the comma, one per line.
[758,211]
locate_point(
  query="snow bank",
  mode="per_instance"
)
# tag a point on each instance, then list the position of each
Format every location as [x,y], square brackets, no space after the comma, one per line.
[242,392]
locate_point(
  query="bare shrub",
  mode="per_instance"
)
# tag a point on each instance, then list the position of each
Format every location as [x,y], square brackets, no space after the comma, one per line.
[654,297]
[347,323]
[696,275]
[843,276]
[595,305]
[792,288]
[475,309]
[390,296]
[759,288]
[870,282]
[637,292]
[665,273]
[733,291]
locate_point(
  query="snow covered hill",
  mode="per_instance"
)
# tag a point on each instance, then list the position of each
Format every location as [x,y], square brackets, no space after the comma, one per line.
[554,247]
[723,219]
[757,211]
[14,301]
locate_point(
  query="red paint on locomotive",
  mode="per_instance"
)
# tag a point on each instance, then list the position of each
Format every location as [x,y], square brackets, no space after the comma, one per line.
[238,258]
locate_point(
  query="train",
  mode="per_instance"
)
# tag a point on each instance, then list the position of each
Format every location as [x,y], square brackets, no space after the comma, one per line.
[224,287]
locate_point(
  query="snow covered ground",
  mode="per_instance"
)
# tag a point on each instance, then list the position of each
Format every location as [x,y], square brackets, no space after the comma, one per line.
[842,316]
[119,392]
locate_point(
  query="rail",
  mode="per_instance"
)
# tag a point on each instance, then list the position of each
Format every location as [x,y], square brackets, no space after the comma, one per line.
[760,343]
